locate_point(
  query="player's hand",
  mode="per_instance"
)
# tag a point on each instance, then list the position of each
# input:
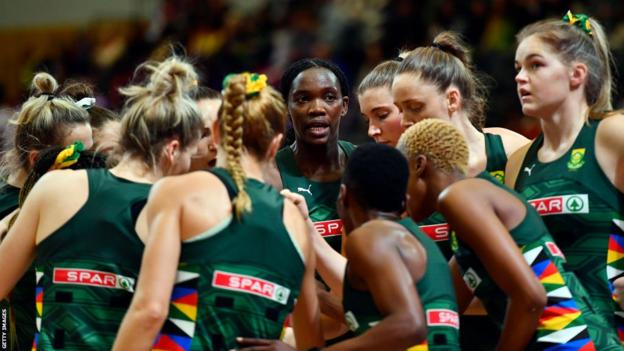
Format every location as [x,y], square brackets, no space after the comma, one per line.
[250,344]
[298,200]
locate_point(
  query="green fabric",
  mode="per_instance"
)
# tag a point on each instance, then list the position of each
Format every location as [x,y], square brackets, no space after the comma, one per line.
[22,310]
[99,237]
[211,303]
[435,226]
[436,293]
[583,211]
[320,196]
[562,287]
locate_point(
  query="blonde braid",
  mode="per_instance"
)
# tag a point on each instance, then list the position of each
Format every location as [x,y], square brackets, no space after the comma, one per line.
[232,126]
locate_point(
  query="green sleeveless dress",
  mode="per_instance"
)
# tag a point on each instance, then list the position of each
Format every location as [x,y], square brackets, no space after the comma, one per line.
[568,321]
[435,226]
[436,294]
[584,212]
[320,196]
[86,270]
[239,279]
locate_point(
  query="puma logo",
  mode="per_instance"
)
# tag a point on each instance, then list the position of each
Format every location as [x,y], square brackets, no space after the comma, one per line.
[529,170]
[304,190]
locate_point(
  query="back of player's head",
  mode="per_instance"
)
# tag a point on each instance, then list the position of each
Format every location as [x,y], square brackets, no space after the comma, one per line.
[377,175]
[438,140]
[252,115]
[160,109]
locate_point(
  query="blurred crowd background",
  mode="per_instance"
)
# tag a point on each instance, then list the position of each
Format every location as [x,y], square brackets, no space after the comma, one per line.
[102,42]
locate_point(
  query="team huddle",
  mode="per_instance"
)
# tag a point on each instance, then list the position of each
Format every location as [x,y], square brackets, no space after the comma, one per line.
[188,223]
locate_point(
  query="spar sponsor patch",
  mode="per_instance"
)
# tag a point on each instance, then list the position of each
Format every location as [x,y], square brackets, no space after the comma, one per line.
[437,232]
[329,228]
[564,204]
[251,285]
[442,317]
[90,277]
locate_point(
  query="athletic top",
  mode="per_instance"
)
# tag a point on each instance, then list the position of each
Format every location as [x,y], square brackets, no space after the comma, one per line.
[9,199]
[86,270]
[436,293]
[22,298]
[320,196]
[435,226]
[584,213]
[568,320]
[243,275]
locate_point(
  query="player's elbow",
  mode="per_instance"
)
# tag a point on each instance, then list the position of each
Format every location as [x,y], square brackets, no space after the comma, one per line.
[415,331]
[534,297]
[151,314]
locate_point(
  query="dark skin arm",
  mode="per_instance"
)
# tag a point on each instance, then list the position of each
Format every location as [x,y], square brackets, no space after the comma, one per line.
[479,226]
[462,292]
[377,261]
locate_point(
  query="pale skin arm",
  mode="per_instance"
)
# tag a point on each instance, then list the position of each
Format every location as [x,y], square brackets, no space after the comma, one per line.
[306,315]
[481,229]
[329,263]
[17,250]
[514,162]
[150,304]
[512,141]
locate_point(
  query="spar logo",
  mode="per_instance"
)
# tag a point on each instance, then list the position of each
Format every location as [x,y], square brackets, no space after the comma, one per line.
[437,232]
[251,285]
[329,228]
[90,277]
[472,279]
[442,317]
[564,204]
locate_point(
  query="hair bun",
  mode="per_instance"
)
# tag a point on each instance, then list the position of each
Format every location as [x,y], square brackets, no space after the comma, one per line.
[173,77]
[43,83]
[452,44]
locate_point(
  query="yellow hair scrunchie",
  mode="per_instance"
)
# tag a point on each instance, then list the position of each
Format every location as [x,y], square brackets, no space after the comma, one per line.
[254,83]
[68,156]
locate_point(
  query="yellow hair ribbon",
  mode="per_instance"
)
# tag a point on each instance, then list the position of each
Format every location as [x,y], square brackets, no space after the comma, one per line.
[68,156]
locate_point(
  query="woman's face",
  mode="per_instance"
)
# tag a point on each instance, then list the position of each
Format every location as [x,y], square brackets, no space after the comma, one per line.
[106,138]
[206,156]
[79,132]
[543,80]
[182,159]
[383,116]
[418,99]
[315,105]
[420,204]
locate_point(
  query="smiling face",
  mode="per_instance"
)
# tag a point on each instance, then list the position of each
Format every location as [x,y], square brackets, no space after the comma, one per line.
[383,116]
[543,80]
[418,99]
[315,105]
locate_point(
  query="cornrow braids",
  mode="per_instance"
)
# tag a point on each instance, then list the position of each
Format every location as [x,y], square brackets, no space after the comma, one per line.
[439,141]
[233,119]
